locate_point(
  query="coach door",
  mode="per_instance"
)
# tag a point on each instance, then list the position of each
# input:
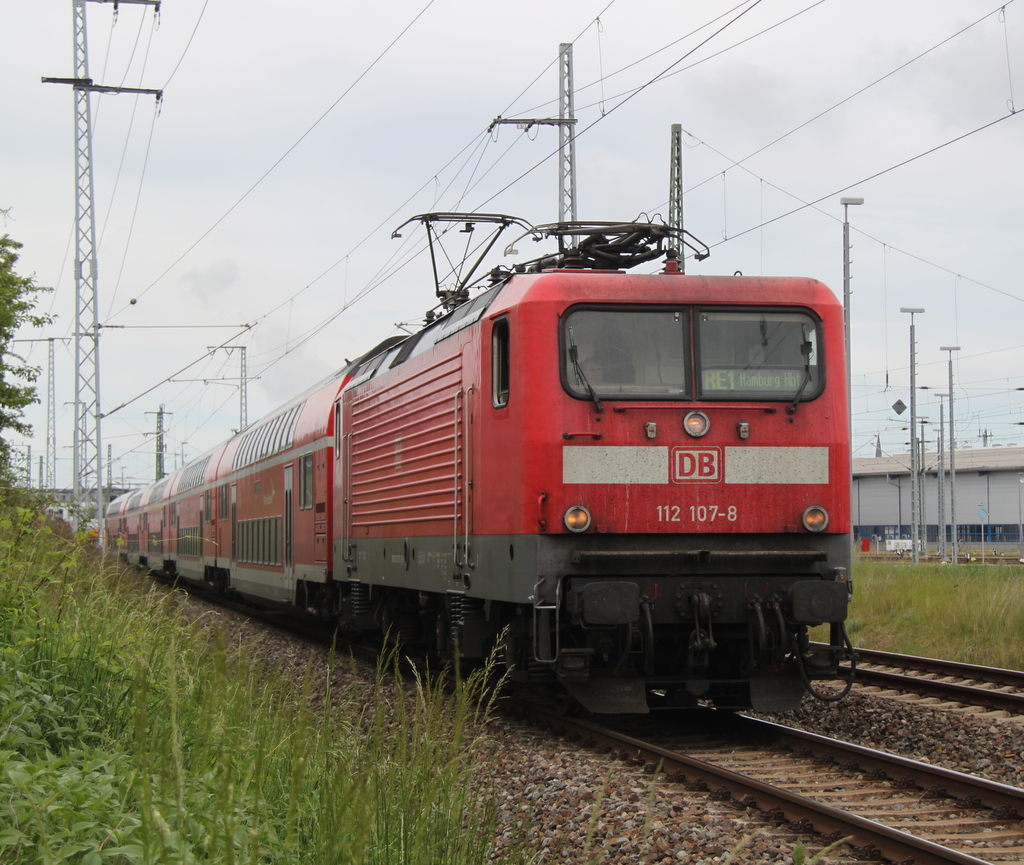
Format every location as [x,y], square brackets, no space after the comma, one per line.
[289,517]
[234,523]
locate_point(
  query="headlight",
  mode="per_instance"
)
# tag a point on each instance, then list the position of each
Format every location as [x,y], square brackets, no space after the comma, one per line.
[815,519]
[577,519]
[696,423]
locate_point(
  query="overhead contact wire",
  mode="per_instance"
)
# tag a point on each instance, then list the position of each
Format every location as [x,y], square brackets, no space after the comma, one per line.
[285,155]
[618,105]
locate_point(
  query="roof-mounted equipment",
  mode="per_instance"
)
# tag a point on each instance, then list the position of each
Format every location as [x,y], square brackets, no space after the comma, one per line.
[609,245]
[440,224]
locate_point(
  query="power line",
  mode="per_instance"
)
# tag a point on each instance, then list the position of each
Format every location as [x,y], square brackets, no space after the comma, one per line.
[188,44]
[619,104]
[853,95]
[285,155]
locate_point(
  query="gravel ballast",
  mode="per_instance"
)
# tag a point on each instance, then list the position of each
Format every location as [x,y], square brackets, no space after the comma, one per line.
[576,806]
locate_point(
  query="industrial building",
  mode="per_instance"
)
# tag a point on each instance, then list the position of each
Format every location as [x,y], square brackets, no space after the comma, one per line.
[989,488]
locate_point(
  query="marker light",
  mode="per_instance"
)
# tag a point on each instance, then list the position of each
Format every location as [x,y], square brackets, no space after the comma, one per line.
[696,423]
[815,519]
[577,519]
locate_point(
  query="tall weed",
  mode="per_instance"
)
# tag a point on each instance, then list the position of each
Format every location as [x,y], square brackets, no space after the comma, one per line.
[128,734]
[971,613]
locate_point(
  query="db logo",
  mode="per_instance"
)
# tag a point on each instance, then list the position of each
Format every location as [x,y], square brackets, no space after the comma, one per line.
[701,464]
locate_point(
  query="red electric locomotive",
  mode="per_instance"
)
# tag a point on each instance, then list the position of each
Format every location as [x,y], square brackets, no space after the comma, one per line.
[635,486]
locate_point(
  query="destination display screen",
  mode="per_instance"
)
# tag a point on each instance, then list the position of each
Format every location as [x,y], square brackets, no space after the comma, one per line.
[732,380]
[758,354]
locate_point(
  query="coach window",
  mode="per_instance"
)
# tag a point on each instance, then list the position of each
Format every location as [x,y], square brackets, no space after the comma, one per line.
[277,432]
[759,354]
[500,367]
[306,482]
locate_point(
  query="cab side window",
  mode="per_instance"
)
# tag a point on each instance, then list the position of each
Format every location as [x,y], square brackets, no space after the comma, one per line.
[500,366]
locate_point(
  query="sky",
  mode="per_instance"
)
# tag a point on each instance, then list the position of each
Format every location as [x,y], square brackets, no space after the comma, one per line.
[254,205]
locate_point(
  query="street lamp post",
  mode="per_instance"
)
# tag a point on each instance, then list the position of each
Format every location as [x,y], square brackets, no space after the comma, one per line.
[915,532]
[952,456]
[922,467]
[940,476]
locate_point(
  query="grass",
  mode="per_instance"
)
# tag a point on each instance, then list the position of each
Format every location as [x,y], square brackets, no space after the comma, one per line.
[970,613]
[128,735]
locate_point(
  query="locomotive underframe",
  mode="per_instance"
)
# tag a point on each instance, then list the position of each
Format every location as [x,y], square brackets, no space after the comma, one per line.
[619,621]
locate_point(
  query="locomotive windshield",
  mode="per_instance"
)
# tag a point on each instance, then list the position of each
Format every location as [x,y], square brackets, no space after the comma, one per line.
[757,355]
[635,354]
[645,354]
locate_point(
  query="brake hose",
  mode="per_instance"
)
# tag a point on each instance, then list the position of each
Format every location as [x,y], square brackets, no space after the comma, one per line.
[825,698]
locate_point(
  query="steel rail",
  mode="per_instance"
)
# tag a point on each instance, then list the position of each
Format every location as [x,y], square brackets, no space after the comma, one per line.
[987,698]
[993,675]
[934,779]
[870,837]
[958,692]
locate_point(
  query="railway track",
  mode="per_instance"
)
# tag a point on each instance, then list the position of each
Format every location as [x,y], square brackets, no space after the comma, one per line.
[991,689]
[889,807]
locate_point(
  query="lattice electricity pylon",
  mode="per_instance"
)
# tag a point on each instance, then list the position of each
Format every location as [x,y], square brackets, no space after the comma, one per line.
[566,121]
[87,481]
[88,469]
[566,137]
[51,419]
[675,188]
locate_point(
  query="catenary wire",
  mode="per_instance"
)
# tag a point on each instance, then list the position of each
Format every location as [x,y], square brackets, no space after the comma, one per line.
[285,155]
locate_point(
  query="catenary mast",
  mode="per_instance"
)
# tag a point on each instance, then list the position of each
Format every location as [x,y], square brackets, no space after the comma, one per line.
[87,480]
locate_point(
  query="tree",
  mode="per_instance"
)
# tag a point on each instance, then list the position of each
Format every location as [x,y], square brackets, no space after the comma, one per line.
[17,377]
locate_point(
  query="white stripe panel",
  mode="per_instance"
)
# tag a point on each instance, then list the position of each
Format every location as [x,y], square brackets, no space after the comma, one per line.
[614,465]
[753,465]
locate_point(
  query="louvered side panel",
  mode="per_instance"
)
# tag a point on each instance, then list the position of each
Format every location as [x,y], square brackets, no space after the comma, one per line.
[404,445]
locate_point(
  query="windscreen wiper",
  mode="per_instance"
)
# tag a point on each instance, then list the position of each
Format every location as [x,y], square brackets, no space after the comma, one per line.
[581,377]
[806,347]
